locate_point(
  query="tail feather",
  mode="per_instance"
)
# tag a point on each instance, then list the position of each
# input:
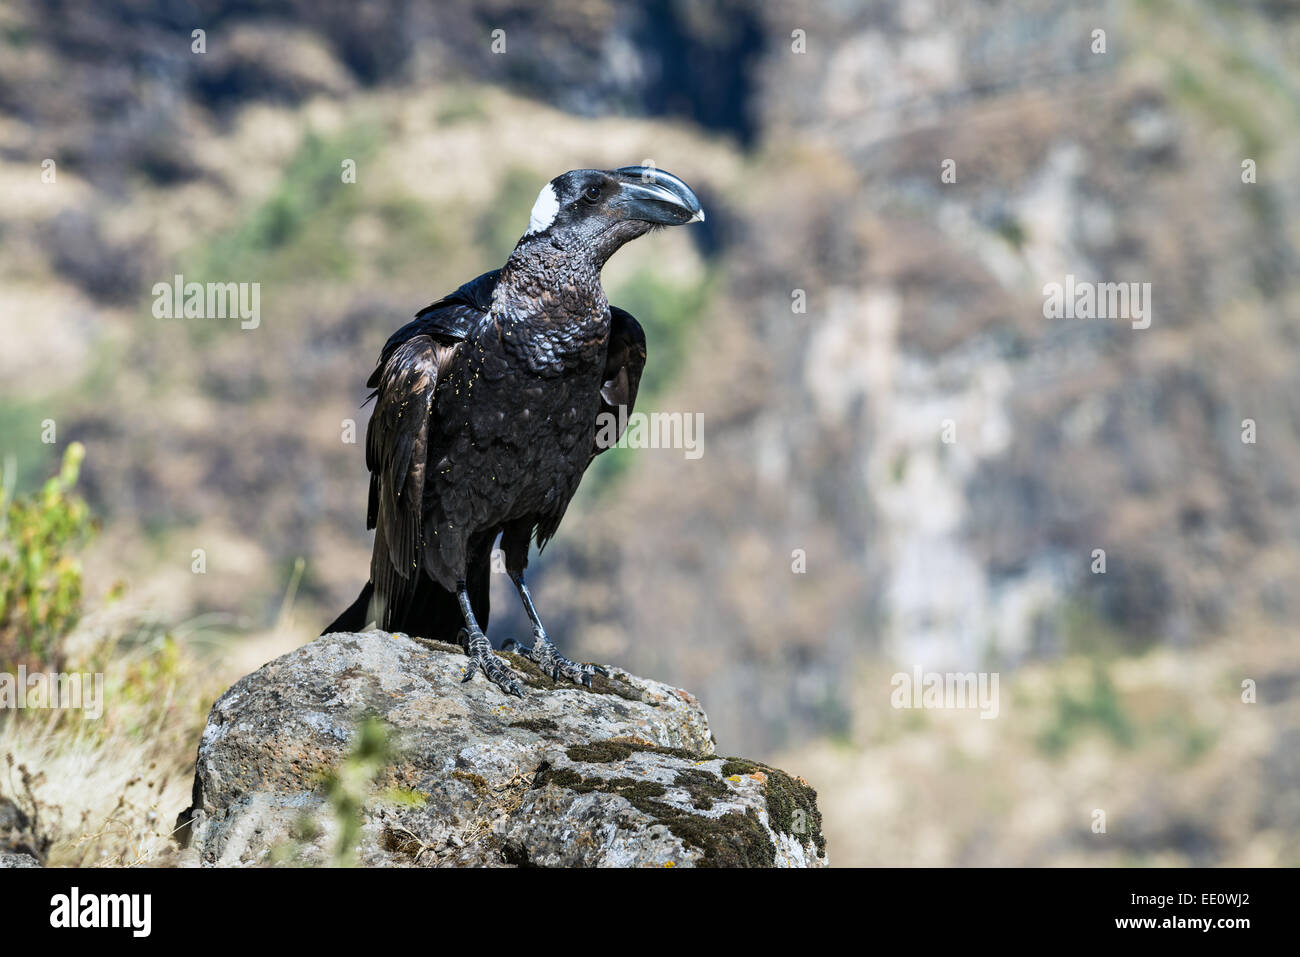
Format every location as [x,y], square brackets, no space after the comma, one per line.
[356,616]
[431,611]
[434,612]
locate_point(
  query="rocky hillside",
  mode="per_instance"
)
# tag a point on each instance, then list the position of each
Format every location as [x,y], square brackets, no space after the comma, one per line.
[947,459]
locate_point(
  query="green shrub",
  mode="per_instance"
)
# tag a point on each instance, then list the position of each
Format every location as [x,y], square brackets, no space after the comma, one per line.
[40,571]
[1095,707]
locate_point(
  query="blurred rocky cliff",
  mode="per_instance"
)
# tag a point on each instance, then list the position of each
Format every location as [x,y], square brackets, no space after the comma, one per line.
[916,465]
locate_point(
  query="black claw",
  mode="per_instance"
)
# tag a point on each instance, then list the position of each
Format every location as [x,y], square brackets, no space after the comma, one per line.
[480,655]
[554,665]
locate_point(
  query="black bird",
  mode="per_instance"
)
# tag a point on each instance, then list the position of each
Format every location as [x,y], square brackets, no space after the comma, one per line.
[487,408]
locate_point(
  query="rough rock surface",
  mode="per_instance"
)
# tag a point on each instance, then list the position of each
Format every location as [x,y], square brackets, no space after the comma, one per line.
[19,847]
[623,774]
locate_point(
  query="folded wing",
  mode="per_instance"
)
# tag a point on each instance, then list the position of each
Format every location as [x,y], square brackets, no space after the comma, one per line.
[623,365]
[412,363]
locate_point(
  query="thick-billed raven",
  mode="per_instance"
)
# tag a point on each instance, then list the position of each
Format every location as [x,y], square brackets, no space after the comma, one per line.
[486,412]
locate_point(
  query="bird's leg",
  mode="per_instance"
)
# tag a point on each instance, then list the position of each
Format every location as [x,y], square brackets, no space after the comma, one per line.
[543,652]
[480,650]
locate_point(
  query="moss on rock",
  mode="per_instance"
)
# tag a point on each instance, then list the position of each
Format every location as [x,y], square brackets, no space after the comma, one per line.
[620,749]
[702,786]
[476,781]
[728,840]
[791,804]
[536,725]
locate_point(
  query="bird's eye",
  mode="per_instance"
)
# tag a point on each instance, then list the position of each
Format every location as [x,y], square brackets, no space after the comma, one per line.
[591,194]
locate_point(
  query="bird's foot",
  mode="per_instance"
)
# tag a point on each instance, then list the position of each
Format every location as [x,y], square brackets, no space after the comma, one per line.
[546,656]
[494,669]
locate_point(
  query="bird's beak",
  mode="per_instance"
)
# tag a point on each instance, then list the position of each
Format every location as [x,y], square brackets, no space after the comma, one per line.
[655,196]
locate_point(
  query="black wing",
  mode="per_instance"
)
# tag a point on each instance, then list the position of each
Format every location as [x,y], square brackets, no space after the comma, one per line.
[450,318]
[411,364]
[623,365]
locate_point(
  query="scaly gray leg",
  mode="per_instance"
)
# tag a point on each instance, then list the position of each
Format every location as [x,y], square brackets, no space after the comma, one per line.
[543,652]
[480,650]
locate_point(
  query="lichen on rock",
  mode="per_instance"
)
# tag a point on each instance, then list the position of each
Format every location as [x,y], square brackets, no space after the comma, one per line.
[622,774]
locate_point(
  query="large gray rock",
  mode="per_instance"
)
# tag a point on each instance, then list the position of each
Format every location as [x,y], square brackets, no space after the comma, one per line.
[17,859]
[370,741]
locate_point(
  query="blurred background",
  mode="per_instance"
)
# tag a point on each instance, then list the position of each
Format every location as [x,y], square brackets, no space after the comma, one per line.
[829,537]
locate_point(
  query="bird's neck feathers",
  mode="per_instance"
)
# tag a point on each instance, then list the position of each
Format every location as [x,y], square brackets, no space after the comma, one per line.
[550,308]
[557,283]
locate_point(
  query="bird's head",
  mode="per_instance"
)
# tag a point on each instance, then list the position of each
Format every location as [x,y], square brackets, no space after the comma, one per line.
[597,211]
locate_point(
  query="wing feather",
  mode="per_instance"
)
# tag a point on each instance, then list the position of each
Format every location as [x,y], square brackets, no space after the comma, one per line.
[412,363]
[624,363]
[397,450]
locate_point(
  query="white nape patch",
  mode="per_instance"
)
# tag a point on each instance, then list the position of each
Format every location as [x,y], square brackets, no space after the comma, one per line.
[544,211]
